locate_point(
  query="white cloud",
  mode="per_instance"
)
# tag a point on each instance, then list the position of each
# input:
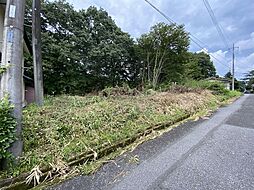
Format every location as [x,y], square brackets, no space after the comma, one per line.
[204,50]
[246,44]
[231,28]
[220,54]
[132,16]
[244,64]
[221,62]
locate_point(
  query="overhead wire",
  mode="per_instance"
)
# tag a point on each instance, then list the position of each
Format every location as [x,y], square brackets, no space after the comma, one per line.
[163,14]
[206,46]
[210,54]
[220,29]
[192,37]
[215,22]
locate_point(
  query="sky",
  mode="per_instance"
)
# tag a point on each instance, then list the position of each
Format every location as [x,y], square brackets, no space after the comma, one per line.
[236,18]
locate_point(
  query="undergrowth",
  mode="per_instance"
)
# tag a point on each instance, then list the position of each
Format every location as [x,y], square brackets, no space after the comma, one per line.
[67,126]
[7,127]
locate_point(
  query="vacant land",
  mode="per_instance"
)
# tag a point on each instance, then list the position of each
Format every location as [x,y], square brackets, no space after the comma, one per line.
[67,126]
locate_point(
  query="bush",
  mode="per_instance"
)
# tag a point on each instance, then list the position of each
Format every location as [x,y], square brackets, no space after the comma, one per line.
[184,89]
[216,87]
[7,127]
[125,90]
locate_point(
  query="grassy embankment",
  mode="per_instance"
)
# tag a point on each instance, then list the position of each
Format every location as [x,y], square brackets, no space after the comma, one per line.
[67,126]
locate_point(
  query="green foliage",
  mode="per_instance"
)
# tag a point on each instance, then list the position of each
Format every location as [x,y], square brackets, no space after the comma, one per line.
[119,91]
[215,86]
[232,94]
[3,69]
[164,51]
[7,123]
[218,88]
[83,50]
[249,79]
[7,127]
[200,66]
[239,85]
[228,75]
[69,125]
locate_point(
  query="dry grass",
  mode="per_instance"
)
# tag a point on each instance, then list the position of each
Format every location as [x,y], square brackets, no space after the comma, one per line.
[69,125]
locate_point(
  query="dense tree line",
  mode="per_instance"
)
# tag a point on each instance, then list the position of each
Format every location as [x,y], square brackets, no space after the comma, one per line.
[84,50]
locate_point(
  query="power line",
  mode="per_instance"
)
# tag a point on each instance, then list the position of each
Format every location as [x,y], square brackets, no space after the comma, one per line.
[205,45]
[215,22]
[163,14]
[210,54]
[173,22]
[192,37]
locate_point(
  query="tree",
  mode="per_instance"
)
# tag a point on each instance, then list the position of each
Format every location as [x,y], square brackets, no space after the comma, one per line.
[110,55]
[62,66]
[56,43]
[164,53]
[239,85]
[200,66]
[83,50]
[249,79]
[228,75]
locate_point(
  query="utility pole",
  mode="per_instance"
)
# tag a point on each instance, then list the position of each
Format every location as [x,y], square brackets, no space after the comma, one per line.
[12,56]
[37,60]
[233,68]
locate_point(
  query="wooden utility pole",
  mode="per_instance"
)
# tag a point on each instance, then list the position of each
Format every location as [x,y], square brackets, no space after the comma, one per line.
[12,56]
[233,68]
[37,60]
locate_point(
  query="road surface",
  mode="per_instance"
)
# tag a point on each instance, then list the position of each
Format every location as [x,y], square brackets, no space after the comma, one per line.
[211,154]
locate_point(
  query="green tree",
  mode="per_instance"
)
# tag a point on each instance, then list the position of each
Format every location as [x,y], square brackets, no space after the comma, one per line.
[110,56]
[228,75]
[239,85]
[200,66]
[63,70]
[83,50]
[164,53]
[249,79]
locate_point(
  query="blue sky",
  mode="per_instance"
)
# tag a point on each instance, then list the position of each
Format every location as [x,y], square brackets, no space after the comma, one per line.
[235,16]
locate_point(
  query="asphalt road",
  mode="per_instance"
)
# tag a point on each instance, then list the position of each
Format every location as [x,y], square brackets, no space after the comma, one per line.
[211,154]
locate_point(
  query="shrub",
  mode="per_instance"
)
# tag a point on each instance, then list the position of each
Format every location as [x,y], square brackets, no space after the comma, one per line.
[125,90]
[184,89]
[7,127]
[216,87]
